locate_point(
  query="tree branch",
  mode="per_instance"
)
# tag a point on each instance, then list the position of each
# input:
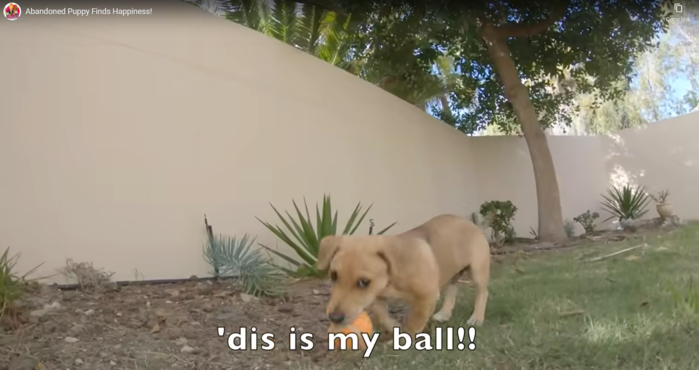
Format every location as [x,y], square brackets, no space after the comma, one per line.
[521,30]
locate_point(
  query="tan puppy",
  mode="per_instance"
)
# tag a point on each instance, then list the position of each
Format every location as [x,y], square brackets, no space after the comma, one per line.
[413,267]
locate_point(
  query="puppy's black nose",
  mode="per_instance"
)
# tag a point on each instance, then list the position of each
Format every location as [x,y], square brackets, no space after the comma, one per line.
[336,317]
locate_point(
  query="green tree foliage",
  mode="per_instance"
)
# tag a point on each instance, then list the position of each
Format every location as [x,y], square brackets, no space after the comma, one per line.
[319,32]
[345,41]
[521,63]
[653,95]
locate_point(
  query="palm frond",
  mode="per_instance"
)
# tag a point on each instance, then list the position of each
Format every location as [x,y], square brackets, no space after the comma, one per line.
[333,45]
[310,28]
[249,13]
[284,21]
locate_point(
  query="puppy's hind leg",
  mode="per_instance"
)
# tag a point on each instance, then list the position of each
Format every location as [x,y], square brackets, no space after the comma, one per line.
[480,273]
[448,304]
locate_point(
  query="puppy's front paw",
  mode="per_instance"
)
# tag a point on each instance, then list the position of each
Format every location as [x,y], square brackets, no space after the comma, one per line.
[441,317]
[474,321]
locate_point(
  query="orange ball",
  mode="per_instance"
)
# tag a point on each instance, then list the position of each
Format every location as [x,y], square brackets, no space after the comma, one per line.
[362,324]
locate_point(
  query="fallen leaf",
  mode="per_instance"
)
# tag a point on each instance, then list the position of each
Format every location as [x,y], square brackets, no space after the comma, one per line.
[632,257]
[155,329]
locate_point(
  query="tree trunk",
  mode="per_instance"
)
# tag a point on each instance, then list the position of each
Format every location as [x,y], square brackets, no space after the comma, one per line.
[446,110]
[548,197]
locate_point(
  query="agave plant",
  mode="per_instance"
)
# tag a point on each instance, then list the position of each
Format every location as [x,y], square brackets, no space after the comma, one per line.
[629,203]
[233,257]
[304,238]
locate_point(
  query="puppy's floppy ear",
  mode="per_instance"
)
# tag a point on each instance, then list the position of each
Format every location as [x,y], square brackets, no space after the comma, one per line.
[394,255]
[328,247]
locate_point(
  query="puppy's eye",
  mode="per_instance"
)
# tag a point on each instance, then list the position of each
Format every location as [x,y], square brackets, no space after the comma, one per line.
[333,276]
[363,283]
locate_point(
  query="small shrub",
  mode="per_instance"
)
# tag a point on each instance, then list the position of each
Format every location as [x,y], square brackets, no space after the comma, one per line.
[629,203]
[304,238]
[500,215]
[569,228]
[255,272]
[587,220]
[12,285]
[687,299]
[87,277]
[661,197]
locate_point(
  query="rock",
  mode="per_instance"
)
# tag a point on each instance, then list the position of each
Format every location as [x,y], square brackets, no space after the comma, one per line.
[174,333]
[46,309]
[78,362]
[205,289]
[69,295]
[286,308]
[316,292]
[193,278]
[226,316]
[112,363]
[160,313]
[155,329]
[223,294]
[76,329]
[181,341]
[39,313]
[187,349]
[25,362]
[172,292]
[49,289]
[89,312]
[71,339]
[112,287]
[247,298]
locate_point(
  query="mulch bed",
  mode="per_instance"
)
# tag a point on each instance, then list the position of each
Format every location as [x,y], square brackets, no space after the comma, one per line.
[164,327]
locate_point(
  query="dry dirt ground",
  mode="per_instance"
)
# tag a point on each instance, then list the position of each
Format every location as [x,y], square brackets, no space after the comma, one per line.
[164,327]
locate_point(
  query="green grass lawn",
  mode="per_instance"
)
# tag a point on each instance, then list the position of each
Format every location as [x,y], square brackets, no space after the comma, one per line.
[558,311]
